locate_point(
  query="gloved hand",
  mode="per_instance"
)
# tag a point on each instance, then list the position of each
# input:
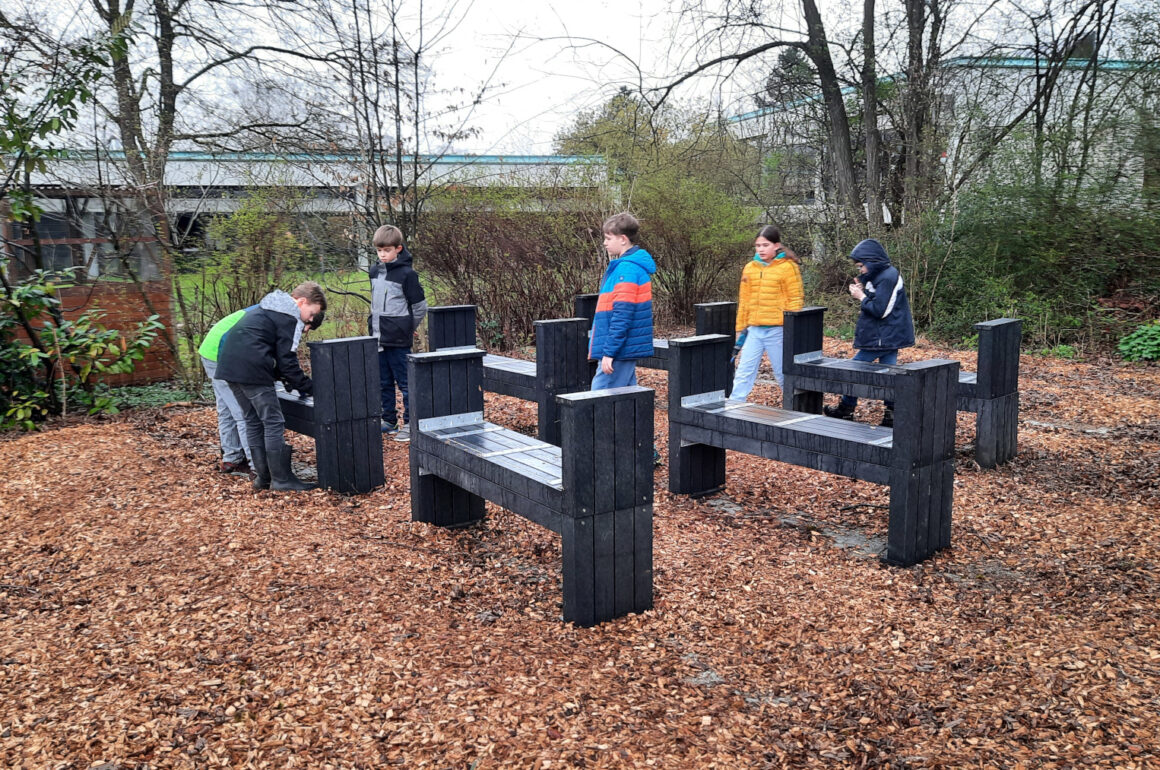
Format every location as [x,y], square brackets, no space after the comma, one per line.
[740,343]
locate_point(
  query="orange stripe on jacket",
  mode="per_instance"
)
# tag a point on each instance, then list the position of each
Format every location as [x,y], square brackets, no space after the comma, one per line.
[626,291]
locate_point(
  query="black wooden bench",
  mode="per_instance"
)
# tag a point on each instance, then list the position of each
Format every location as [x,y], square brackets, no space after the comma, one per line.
[712,318]
[343,415]
[915,459]
[992,393]
[561,364]
[595,490]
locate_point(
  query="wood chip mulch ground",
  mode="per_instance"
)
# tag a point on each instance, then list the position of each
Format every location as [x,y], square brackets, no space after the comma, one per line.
[155,613]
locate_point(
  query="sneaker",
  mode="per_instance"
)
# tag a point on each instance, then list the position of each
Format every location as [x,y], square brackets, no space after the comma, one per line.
[390,428]
[241,467]
[657,457]
[404,433]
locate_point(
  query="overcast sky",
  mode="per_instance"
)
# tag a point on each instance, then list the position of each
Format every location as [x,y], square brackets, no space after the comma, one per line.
[547,81]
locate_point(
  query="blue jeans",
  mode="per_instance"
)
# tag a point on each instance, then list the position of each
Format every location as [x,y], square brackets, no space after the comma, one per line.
[231,422]
[888,357]
[393,371]
[623,374]
[264,421]
[758,340]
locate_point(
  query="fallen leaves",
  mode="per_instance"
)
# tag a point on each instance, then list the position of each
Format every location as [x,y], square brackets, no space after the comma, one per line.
[154,613]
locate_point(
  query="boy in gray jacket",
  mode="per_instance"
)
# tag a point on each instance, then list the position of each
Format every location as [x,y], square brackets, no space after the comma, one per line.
[398,306]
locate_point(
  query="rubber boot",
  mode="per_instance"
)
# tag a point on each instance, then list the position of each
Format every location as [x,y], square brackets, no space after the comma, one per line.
[282,478]
[842,411]
[888,417]
[261,468]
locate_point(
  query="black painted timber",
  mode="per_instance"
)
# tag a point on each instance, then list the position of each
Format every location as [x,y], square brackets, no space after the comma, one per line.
[343,415]
[561,364]
[595,490]
[916,458]
[992,393]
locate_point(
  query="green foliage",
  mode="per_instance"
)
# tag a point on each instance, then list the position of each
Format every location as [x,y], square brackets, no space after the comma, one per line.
[41,98]
[518,254]
[1143,344]
[252,251]
[700,237]
[59,365]
[158,394]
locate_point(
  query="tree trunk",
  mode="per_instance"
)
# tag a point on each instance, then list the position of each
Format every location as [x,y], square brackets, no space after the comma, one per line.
[870,118]
[818,50]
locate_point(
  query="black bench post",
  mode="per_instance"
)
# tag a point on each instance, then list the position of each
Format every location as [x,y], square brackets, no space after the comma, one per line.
[561,367]
[997,389]
[802,335]
[347,438]
[443,384]
[716,318]
[719,318]
[696,367]
[922,461]
[607,472]
[584,306]
[450,326]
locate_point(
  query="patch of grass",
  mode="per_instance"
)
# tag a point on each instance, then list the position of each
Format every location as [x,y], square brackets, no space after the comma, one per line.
[1069,352]
[158,394]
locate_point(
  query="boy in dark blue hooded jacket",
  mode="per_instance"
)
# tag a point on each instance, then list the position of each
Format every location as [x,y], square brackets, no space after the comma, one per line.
[884,323]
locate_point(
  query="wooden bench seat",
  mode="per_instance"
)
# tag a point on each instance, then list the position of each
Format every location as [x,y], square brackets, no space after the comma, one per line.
[595,490]
[991,393]
[561,364]
[915,459]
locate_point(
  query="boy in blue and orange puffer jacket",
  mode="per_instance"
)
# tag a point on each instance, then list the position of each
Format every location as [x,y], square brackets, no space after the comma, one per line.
[622,330]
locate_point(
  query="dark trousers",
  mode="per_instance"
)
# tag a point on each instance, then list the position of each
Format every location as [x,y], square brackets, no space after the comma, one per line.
[888,357]
[392,372]
[263,414]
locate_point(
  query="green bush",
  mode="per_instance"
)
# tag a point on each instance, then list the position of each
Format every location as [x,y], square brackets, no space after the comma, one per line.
[57,368]
[1143,344]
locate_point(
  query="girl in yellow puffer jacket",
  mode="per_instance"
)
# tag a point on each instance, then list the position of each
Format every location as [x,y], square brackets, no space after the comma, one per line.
[770,284]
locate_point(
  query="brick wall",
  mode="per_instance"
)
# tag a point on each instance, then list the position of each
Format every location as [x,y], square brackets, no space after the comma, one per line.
[125,308]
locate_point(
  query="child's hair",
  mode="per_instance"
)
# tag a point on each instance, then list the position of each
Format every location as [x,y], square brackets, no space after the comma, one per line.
[388,235]
[769,233]
[623,224]
[312,292]
[773,235]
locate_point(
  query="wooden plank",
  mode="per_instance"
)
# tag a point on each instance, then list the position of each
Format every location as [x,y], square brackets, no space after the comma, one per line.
[624,562]
[441,383]
[357,384]
[603,566]
[624,454]
[643,558]
[376,476]
[603,462]
[946,479]
[578,457]
[900,529]
[644,484]
[578,565]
